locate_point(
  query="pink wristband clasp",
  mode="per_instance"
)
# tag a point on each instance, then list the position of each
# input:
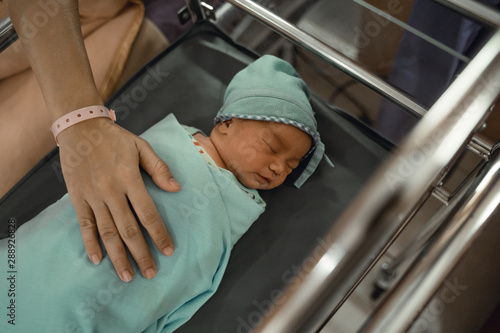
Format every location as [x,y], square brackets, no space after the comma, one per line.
[79,115]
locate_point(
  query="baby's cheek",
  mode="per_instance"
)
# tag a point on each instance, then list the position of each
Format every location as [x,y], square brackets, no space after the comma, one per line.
[279,180]
[261,162]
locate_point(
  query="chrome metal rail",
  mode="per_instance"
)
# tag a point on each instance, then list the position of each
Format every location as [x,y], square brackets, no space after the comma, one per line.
[315,46]
[390,197]
[407,299]
[7,33]
[368,226]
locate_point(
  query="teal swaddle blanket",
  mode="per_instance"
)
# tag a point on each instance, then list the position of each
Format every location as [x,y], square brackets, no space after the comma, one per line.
[58,289]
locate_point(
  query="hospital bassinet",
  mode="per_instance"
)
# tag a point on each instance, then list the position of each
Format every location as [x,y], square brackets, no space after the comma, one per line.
[291,242]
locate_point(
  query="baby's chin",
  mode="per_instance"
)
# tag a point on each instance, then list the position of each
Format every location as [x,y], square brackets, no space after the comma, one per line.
[256,185]
[251,185]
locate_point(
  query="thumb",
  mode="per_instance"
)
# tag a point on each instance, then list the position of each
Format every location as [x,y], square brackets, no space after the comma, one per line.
[156,168]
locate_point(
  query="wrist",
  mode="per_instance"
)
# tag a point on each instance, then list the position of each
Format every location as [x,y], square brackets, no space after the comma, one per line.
[87,132]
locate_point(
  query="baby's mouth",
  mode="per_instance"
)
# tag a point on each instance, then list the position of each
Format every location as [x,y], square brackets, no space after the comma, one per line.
[263,179]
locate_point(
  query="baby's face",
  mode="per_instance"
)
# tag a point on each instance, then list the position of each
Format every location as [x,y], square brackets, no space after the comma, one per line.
[261,154]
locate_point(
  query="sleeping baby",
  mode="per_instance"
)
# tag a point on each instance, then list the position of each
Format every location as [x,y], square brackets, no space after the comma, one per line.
[264,130]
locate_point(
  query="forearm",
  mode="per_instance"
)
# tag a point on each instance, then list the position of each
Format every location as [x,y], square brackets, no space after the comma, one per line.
[54,45]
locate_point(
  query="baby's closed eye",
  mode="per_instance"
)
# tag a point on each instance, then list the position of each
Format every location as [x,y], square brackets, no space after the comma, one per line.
[270,148]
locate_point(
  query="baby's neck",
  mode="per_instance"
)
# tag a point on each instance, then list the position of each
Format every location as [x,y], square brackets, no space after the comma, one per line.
[209,147]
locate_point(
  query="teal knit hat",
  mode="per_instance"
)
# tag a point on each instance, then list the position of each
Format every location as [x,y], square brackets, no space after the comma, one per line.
[269,89]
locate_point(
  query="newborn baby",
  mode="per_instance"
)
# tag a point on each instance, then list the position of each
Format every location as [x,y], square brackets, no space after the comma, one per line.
[264,130]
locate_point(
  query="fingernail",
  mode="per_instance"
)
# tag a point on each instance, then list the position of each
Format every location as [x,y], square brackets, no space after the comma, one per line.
[174,183]
[150,273]
[168,251]
[95,259]
[126,276]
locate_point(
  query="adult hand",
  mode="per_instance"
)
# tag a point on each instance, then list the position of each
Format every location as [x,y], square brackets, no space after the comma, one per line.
[100,160]
[100,163]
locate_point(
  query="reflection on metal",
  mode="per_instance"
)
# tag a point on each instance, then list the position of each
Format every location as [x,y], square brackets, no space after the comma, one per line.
[442,194]
[391,269]
[196,10]
[474,10]
[421,282]
[329,54]
[414,31]
[368,224]
[458,176]
[481,147]
[7,33]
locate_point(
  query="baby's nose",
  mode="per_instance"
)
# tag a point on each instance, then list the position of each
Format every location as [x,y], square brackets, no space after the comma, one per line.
[277,167]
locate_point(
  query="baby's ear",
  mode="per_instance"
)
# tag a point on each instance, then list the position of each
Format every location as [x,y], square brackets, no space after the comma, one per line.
[223,126]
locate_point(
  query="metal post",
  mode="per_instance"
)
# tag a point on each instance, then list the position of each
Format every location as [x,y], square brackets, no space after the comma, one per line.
[196,10]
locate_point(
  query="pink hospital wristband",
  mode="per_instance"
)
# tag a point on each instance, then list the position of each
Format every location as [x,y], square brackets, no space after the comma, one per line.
[79,115]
